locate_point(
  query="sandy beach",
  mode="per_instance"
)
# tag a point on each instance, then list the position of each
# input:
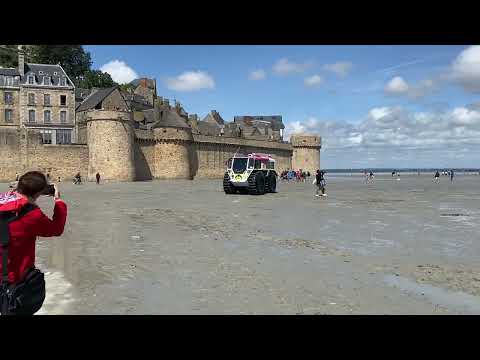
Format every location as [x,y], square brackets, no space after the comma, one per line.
[184,247]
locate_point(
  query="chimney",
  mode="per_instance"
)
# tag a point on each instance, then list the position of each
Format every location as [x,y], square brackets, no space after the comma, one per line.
[21,61]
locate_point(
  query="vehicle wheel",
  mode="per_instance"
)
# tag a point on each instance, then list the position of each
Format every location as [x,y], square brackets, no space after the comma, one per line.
[227,185]
[256,184]
[272,183]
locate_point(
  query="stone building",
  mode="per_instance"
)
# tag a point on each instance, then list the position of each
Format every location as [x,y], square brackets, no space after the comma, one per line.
[99,99]
[146,88]
[270,127]
[9,97]
[47,101]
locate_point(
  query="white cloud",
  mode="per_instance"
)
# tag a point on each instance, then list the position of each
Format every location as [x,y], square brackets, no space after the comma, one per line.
[466,69]
[397,138]
[396,86]
[285,67]
[257,75]
[314,80]
[341,68]
[119,71]
[191,81]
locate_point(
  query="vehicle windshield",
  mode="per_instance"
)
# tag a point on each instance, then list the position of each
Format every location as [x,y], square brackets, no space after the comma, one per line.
[239,165]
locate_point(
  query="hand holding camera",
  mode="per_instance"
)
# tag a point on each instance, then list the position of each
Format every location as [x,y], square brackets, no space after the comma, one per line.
[52,190]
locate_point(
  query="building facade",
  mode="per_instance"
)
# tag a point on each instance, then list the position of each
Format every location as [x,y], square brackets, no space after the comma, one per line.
[40,97]
[9,97]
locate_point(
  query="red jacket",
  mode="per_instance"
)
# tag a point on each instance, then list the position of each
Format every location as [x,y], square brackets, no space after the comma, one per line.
[24,232]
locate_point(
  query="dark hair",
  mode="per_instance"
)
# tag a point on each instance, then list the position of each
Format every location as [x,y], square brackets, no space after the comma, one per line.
[31,183]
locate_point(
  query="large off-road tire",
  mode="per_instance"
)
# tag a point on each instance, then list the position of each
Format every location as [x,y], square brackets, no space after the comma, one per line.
[271,183]
[227,185]
[256,184]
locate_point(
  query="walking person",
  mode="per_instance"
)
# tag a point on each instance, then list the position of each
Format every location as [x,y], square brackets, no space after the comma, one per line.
[436,178]
[22,289]
[97,177]
[451,175]
[320,181]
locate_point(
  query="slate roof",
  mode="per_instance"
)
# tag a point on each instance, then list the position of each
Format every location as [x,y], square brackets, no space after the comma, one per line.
[214,118]
[55,72]
[95,98]
[208,128]
[9,71]
[164,118]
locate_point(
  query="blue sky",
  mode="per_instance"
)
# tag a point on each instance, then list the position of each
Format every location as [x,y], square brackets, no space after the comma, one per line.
[389,106]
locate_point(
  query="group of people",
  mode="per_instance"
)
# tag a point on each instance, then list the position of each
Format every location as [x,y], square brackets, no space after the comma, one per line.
[292,175]
[369,176]
[436,177]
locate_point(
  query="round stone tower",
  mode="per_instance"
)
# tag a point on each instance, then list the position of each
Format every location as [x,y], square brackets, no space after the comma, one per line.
[174,151]
[110,139]
[306,152]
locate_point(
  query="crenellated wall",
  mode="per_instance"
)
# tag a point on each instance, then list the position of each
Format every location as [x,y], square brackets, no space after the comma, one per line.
[121,153]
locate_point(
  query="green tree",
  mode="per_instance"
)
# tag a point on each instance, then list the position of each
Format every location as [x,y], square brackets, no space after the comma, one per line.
[8,56]
[94,78]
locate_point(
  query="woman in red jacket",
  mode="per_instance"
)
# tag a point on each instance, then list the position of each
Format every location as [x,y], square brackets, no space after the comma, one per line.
[23,231]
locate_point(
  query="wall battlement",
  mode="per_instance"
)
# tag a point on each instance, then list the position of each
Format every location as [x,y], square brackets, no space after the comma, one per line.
[121,153]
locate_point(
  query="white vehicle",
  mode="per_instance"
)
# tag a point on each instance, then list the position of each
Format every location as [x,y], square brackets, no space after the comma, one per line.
[253,173]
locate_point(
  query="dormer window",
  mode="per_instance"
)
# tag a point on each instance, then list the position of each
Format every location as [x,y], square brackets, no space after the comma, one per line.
[31,79]
[40,72]
[63,81]
[46,80]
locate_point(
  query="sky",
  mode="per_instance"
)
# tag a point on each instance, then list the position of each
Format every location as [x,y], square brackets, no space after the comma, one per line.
[374,106]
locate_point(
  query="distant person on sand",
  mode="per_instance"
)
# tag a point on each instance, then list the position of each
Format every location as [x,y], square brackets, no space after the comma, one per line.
[97,176]
[437,177]
[48,177]
[16,176]
[451,175]
[320,181]
[370,177]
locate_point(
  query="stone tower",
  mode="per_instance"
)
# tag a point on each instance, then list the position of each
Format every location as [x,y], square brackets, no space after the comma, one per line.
[306,152]
[110,138]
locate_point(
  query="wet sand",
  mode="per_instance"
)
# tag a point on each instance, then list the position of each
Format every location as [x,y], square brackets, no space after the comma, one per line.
[184,247]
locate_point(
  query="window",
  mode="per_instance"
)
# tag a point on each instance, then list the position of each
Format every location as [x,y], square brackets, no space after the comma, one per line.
[31,79]
[31,116]
[257,164]
[250,163]
[8,115]
[31,99]
[63,100]
[46,99]
[239,165]
[40,72]
[47,117]
[8,97]
[63,81]
[63,117]
[64,136]
[46,136]
[46,80]
[9,80]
